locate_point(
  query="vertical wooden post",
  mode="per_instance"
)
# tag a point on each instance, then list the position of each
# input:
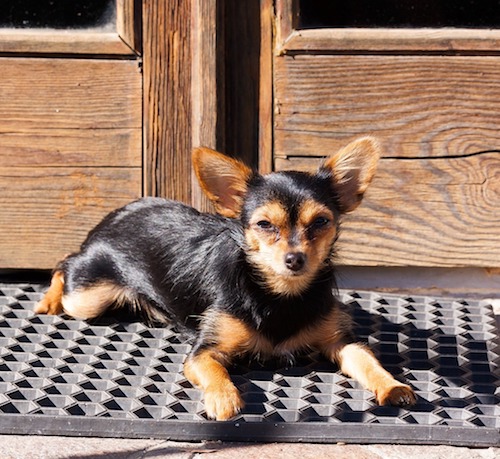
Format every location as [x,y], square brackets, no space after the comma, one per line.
[167,98]
[266,98]
[202,70]
[204,84]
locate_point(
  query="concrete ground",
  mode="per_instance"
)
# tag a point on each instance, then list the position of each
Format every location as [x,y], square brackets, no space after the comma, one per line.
[33,447]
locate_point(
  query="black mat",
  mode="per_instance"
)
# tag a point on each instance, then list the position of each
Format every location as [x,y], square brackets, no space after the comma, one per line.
[60,376]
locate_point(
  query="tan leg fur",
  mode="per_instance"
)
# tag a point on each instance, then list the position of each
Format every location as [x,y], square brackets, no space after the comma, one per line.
[222,399]
[357,361]
[51,303]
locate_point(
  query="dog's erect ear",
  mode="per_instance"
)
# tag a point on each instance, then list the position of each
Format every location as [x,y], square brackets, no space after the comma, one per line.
[352,170]
[224,180]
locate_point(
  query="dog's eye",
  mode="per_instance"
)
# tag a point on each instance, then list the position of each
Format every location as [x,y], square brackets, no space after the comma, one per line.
[264,224]
[320,222]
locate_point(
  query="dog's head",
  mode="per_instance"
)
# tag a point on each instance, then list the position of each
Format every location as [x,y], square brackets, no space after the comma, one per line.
[290,218]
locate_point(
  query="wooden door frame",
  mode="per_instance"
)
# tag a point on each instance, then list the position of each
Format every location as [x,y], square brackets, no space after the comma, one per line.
[200,90]
[124,41]
[180,93]
[291,40]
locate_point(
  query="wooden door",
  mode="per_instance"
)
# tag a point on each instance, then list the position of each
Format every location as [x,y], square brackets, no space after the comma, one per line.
[70,126]
[96,114]
[431,95]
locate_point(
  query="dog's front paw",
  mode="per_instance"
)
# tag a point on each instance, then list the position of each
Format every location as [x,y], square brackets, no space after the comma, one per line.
[397,395]
[223,402]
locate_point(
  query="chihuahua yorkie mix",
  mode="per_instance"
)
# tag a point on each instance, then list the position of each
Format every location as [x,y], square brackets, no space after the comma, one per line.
[255,279]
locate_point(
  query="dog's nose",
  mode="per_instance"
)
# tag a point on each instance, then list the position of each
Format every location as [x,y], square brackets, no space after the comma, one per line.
[295,261]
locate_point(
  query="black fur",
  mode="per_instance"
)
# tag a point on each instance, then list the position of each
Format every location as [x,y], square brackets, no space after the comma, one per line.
[261,282]
[182,262]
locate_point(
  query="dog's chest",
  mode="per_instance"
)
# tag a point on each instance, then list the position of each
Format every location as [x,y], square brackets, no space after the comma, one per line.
[285,324]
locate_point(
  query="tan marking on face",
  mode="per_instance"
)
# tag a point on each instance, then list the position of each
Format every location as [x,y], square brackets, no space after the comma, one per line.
[268,247]
[318,244]
[310,210]
[277,216]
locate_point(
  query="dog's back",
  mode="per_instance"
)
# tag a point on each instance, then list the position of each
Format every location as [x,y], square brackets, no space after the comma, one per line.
[160,257]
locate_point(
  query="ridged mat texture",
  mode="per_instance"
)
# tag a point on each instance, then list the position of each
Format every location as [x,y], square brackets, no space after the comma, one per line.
[60,376]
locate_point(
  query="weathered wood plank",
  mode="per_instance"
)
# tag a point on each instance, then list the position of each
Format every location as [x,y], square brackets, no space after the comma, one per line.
[204,86]
[389,40]
[420,106]
[71,147]
[167,98]
[70,151]
[47,212]
[266,91]
[440,212]
[25,41]
[69,93]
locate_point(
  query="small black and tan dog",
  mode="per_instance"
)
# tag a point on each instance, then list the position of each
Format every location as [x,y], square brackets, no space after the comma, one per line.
[257,278]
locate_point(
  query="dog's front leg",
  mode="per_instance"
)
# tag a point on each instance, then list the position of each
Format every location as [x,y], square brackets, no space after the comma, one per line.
[358,362]
[205,369]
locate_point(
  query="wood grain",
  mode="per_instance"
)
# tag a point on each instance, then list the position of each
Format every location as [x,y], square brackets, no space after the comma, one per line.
[71,147]
[69,93]
[47,212]
[23,41]
[129,23]
[70,151]
[388,40]
[420,106]
[167,98]
[205,91]
[440,212]
[266,102]
[287,15]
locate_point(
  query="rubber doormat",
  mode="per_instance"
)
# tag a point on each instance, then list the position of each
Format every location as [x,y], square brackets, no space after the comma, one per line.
[60,376]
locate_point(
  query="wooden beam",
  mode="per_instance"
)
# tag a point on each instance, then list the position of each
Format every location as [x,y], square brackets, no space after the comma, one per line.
[167,98]
[391,40]
[205,87]
[22,41]
[420,106]
[46,212]
[266,99]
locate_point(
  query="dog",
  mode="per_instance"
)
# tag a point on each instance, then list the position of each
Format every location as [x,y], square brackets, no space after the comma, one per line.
[255,279]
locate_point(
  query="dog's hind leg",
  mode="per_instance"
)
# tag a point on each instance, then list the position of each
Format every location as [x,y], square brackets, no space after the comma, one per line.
[51,302]
[92,301]
[84,302]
